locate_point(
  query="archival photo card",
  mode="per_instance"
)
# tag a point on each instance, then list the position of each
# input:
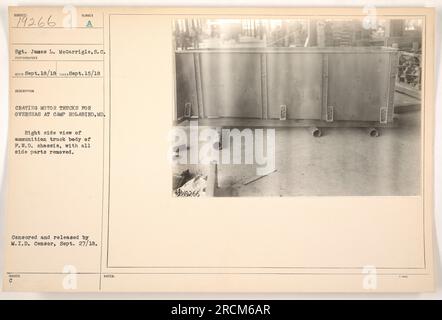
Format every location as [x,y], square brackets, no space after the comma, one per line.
[221,150]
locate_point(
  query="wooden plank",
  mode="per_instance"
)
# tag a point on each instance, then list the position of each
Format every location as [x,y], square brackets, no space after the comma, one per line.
[250,180]
[212,180]
[289,123]
[408,91]
[405,107]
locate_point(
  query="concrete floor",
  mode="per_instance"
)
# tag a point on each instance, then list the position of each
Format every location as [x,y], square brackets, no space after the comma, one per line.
[343,162]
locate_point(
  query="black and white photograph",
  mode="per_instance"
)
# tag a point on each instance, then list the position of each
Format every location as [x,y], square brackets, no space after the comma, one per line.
[297,107]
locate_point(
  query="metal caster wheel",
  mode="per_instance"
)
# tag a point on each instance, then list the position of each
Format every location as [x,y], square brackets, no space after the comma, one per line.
[316,132]
[373,132]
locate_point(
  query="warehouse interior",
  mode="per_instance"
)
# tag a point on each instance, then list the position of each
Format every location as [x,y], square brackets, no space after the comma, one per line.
[342,96]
